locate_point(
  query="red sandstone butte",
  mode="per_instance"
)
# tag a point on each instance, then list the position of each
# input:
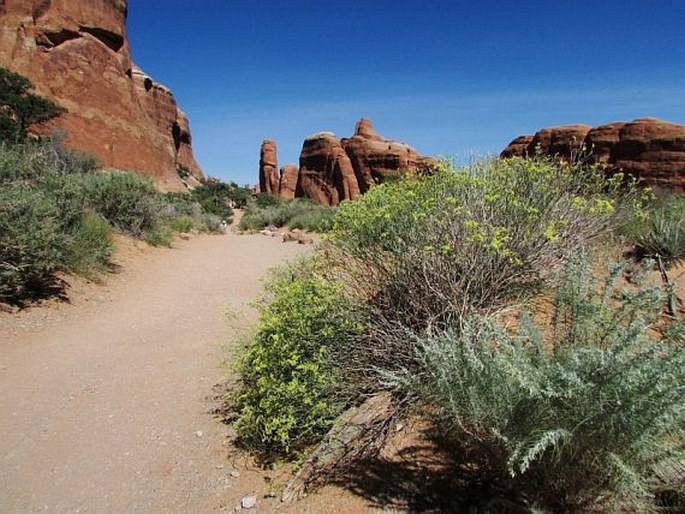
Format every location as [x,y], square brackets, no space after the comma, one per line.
[332,171]
[649,149]
[375,158]
[76,54]
[326,174]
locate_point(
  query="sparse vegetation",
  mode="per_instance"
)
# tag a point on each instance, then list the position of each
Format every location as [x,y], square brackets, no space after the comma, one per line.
[219,198]
[300,213]
[660,230]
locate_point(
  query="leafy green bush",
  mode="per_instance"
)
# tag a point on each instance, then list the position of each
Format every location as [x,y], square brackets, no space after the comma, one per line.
[161,236]
[299,213]
[428,250]
[215,198]
[90,246]
[265,200]
[288,396]
[318,219]
[38,160]
[131,203]
[31,242]
[576,415]
[661,230]
[183,224]
[56,214]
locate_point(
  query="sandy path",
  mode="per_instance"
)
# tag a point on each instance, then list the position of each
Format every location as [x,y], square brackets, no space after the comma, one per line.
[104,404]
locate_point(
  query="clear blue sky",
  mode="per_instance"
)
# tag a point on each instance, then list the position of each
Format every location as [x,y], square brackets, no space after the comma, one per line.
[454,78]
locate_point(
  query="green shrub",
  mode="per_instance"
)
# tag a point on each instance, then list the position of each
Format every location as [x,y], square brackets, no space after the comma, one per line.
[211,223]
[318,219]
[215,198]
[161,236]
[90,247]
[131,203]
[288,395]
[31,242]
[437,247]
[182,224]
[39,160]
[265,200]
[300,213]
[574,416]
[661,230]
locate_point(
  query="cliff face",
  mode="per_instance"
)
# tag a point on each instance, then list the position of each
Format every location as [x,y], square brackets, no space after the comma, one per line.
[75,52]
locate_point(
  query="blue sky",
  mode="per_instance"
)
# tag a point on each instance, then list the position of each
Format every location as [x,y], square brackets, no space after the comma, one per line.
[453,78]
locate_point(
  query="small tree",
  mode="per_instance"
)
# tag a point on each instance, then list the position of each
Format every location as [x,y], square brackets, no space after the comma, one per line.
[20,109]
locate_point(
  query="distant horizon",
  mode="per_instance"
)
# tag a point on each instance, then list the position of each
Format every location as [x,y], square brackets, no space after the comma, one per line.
[449,78]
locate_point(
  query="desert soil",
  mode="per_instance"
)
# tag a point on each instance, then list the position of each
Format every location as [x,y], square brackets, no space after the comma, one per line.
[106,400]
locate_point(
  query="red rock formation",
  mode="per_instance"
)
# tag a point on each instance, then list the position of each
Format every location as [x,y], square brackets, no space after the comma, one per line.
[375,158]
[76,53]
[288,182]
[647,148]
[268,168]
[326,174]
[563,141]
[652,150]
[332,171]
[518,147]
[184,148]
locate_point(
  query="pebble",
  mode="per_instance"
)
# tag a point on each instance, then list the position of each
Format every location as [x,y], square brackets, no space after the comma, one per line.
[199,433]
[248,502]
[235,474]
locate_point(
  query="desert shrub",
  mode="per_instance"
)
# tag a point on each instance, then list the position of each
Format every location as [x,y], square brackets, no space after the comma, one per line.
[428,250]
[211,223]
[31,242]
[660,230]
[298,213]
[215,197]
[160,236]
[12,163]
[240,194]
[182,224]
[265,200]
[577,414]
[316,219]
[90,245]
[288,394]
[131,203]
[184,214]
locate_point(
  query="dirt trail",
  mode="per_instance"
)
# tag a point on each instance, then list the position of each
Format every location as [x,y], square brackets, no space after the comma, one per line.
[104,403]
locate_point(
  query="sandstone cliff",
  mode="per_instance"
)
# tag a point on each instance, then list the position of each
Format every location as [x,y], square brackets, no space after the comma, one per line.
[333,170]
[648,148]
[76,54]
